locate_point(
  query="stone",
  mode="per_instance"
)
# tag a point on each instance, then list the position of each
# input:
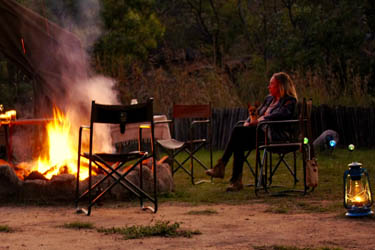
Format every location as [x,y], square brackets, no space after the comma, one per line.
[164,182]
[10,184]
[62,187]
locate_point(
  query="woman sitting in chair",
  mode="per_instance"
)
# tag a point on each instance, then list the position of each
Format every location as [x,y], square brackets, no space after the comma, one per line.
[278,105]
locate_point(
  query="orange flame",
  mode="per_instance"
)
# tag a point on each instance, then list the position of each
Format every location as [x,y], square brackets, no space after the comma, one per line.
[62,155]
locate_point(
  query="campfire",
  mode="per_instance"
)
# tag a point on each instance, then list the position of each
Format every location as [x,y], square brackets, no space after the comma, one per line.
[61,155]
[51,175]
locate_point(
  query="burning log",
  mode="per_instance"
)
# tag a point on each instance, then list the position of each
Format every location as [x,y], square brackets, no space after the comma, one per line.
[35,175]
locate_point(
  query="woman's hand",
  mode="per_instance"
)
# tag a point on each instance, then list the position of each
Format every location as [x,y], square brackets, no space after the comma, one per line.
[253,123]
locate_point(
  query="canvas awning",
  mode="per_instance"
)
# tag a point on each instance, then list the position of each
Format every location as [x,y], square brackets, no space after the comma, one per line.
[47,53]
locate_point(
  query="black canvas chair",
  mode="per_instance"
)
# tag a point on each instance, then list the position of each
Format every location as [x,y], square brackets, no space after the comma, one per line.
[198,118]
[112,164]
[298,130]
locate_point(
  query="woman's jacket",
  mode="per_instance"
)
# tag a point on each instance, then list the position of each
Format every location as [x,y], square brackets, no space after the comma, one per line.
[284,110]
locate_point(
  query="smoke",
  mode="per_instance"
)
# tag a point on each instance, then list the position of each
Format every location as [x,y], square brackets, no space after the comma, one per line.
[77,84]
[88,27]
[86,23]
[100,89]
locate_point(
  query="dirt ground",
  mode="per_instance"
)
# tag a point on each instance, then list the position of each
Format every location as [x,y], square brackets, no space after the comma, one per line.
[232,227]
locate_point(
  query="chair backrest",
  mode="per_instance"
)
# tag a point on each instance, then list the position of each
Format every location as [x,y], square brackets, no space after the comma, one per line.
[117,114]
[296,129]
[308,126]
[122,114]
[192,111]
[305,119]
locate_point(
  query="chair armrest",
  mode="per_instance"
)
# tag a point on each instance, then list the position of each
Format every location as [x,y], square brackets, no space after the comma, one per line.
[85,127]
[81,128]
[277,122]
[261,124]
[193,126]
[165,121]
[241,122]
[199,122]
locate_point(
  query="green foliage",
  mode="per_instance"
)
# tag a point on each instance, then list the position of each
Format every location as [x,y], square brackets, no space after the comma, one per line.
[5,229]
[327,46]
[211,28]
[132,30]
[179,85]
[160,228]
[79,225]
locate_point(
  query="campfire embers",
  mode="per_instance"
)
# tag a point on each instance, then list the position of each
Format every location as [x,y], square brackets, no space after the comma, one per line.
[61,187]
[35,175]
[35,186]
[24,171]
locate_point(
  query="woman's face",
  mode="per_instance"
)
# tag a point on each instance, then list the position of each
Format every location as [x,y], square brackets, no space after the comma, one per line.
[273,87]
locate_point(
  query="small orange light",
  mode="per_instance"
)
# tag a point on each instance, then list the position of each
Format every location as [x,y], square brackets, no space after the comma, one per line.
[11,114]
[145,126]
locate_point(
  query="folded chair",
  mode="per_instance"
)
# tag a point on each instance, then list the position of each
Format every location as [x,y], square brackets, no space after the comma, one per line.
[199,131]
[297,131]
[112,164]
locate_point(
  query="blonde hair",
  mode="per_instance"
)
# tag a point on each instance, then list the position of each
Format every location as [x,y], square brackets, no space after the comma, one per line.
[286,84]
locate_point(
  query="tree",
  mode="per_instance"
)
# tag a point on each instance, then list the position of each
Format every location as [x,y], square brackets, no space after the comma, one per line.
[132,29]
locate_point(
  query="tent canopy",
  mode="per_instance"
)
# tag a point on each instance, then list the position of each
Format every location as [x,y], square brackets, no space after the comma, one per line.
[48,54]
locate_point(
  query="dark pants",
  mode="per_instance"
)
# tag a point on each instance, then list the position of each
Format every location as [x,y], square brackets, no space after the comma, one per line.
[242,139]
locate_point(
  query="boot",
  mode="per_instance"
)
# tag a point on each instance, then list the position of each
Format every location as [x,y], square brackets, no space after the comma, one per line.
[235,186]
[218,171]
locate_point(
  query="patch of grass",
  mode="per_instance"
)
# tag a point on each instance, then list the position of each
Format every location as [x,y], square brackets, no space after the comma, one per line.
[302,205]
[202,212]
[5,229]
[293,248]
[327,197]
[79,225]
[318,207]
[160,228]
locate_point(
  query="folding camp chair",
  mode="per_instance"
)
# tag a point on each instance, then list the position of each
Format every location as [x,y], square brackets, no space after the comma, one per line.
[112,164]
[198,120]
[297,131]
